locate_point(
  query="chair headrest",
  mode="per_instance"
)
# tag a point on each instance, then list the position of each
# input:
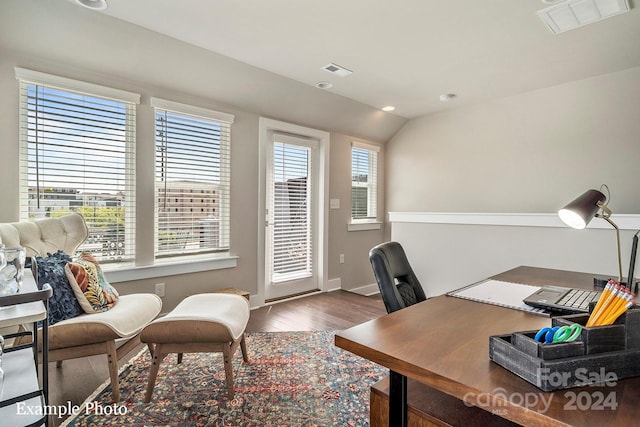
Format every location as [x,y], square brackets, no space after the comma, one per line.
[46,235]
[395,257]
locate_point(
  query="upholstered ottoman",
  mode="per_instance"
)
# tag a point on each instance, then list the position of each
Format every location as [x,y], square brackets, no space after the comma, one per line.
[201,323]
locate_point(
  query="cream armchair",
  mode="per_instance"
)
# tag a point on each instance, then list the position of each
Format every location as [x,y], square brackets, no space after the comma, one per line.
[114,332]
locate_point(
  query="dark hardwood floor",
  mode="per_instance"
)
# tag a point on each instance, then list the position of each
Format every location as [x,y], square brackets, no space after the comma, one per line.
[78,378]
[321,312]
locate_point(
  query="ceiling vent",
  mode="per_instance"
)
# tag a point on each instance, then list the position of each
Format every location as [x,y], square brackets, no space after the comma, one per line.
[337,70]
[576,13]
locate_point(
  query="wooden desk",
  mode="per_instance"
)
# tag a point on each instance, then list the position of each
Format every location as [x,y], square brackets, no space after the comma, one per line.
[444,343]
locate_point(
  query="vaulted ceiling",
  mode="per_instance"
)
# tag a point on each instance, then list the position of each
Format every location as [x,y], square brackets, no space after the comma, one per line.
[403,53]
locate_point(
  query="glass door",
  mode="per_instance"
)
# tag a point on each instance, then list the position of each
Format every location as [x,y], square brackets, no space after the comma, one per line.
[291,261]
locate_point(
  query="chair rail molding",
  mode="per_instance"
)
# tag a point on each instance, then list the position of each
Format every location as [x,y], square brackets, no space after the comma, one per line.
[623,221]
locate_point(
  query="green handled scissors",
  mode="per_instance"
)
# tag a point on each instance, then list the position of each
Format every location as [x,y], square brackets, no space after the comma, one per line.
[559,334]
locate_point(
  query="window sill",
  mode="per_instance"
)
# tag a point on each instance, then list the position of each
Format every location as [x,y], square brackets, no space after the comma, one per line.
[363,226]
[170,267]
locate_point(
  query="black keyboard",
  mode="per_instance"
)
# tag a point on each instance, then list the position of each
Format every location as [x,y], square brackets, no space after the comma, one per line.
[563,300]
[578,299]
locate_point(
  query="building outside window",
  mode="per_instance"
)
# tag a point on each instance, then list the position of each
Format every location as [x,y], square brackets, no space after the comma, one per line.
[77,154]
[192,179]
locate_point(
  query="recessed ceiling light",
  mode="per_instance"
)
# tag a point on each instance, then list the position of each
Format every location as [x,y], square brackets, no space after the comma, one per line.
[447,97]
[388,108]
[93,4]
[324,85]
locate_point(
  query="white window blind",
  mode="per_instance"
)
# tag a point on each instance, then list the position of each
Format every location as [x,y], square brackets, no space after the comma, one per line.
[192,179]
[364,181]
[290,213]
[77,154]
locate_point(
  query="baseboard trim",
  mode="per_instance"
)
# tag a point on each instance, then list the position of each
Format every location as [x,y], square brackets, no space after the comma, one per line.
[366,290]
[254,302]
[292,297]
[334,285]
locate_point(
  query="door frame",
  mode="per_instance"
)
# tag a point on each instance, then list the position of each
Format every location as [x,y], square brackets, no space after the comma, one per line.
[320,247]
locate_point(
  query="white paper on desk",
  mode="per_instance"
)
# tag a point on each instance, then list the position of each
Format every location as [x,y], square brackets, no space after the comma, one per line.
[496,292]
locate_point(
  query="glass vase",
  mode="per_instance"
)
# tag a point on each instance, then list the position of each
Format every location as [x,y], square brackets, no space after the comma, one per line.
[12,272]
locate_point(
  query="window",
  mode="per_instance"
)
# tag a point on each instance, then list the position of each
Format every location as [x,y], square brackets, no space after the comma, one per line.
[192,173]
[77,154]
[364,181]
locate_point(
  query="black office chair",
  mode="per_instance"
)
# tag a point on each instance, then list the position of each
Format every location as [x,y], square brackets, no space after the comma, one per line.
[398,284]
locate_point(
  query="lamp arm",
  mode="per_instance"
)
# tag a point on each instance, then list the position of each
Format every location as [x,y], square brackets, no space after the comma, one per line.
[606,218]
[606,213]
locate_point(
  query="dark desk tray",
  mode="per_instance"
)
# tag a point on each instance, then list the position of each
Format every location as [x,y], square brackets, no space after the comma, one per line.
[601,354]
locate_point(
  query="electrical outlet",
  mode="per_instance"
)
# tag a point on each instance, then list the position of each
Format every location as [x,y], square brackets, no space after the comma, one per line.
[341,258]
[160,289]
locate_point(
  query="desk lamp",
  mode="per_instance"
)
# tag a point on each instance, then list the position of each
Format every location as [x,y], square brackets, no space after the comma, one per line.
[579,212]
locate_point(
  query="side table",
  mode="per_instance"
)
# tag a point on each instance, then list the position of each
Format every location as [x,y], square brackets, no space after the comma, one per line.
[20,362]
[234,291]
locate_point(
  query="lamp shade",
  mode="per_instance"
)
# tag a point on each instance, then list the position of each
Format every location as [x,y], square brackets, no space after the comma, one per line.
[582,209]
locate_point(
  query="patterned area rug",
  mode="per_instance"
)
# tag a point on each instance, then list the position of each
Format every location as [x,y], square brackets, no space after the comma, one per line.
[292,379]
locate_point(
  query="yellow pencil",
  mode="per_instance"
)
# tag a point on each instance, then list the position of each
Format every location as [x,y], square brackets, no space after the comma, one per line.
[621,310]
[605,293]
[595,316]
[621,300]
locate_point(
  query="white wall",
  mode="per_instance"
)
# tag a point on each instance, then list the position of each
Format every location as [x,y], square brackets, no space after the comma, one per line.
[356,271]
[530,153]
[449,256]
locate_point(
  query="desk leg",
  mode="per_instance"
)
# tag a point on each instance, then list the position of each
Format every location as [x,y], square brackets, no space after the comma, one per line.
[397,399]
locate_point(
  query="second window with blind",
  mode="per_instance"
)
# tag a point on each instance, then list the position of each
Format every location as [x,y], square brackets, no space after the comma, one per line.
[364,182]
[192,179]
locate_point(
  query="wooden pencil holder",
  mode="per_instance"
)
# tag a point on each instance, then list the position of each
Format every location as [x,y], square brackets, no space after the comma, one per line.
[612,349]
[525,341]
[623,334]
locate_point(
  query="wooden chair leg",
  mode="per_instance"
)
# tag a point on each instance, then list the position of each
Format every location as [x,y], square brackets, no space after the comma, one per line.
[59,364]
[179,358]
[153,372]
[112,357]
[243,347]
[150,347]
[228,369]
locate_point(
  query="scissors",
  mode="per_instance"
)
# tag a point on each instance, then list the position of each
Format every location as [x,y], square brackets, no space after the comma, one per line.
[559,334]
